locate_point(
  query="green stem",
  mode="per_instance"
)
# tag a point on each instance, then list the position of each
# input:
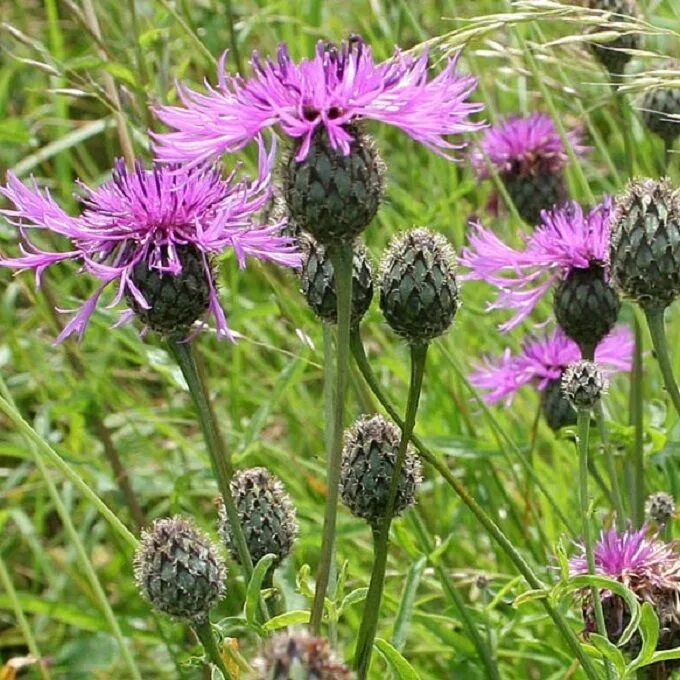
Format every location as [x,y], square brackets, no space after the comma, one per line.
[583,424]
[341,257]
[484,519]
[635,463]
[205,635]
[657,330]
[381,533]
[328,383]
[219,458]
[32,645]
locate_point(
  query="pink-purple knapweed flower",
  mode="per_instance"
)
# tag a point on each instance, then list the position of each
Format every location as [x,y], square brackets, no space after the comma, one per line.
[641,562]
[147,219]
[543,360]
[567,239]
[339,85]
[528,145]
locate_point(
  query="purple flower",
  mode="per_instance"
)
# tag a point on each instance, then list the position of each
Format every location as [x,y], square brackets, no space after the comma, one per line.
[642,563]
[148,216]
[567,239]
[543,360]
[528,145]
[338,86]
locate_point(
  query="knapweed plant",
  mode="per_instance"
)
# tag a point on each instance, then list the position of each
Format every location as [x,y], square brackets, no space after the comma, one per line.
[352,360]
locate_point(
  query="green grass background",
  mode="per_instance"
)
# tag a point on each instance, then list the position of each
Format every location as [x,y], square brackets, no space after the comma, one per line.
[57,122]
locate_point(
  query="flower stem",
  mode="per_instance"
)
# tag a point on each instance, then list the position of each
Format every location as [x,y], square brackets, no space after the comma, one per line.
[341,257]
[381,533]
[635,468]
[583,424]
[219,458]
[466,497]
[328,406]
[658,332]
[205,635]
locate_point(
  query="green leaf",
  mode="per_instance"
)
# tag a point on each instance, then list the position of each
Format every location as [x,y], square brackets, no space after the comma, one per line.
[402,668]
[292,618]
[609,651]
[404,614]
[666,655]
[649,630]
[530,596]
[255,586]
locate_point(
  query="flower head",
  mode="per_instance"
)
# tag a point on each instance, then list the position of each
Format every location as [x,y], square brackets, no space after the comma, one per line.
[642,563]
[339,85]
[567,239]
[528,146]
[543,360]
[143,226]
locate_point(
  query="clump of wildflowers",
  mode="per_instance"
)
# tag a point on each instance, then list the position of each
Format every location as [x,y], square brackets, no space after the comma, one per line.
[333,181]
[542,362]
[152,236]
[529,156]
[646,565]
[570,248]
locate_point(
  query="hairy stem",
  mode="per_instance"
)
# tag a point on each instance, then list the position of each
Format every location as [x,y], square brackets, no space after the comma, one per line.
[205,635]
[484,519]
[635,461]
[657,330]
[328,406]
[219,457]
[341,256]
[369,623]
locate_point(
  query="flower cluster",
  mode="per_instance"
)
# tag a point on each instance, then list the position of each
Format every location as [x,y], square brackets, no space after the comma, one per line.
[338,86]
